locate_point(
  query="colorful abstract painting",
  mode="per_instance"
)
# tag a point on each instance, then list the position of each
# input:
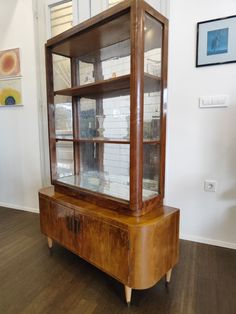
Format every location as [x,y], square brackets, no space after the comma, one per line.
[9,63]
[10,92]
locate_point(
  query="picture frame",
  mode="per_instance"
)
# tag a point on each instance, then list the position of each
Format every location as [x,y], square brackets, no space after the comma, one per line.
[10,63]
[10,92]
[216,42]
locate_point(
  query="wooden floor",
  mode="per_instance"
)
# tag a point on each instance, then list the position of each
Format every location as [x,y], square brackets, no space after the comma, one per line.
[32,281]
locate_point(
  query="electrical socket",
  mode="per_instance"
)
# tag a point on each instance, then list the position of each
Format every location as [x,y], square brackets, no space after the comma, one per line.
[210,186]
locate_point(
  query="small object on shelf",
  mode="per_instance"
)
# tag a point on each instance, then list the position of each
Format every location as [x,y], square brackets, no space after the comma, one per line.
[113,74]
[100,119]
[88,79]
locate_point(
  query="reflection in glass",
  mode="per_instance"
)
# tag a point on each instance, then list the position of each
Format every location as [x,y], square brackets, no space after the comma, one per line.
[61,17]
[65,159]
[104,168]
[110,58]
[152,105]
[152,66]
[105,66]
[105,118]
[61,72]
[151,116]
[153,46]
[63,117]
[151,168]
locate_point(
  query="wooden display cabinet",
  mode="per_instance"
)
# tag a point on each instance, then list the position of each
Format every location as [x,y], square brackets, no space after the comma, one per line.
[106,88]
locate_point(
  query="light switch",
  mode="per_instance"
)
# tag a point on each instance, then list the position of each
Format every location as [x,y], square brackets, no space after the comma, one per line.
[213,101]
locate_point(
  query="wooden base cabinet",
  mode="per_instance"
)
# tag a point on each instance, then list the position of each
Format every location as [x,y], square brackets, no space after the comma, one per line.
[138,252]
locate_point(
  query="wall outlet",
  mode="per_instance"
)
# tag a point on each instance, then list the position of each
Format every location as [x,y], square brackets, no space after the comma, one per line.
[210,186]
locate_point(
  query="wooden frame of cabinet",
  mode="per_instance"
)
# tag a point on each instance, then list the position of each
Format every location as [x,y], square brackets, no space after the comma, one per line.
[135,240]
[95,33]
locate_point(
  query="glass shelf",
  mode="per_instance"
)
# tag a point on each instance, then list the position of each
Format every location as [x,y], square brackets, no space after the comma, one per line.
[116,186]
[102,140]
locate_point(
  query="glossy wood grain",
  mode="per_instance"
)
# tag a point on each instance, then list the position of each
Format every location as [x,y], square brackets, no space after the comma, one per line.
[136,106]
[107,214]
[106,246]
[154,251]
[136,251]
[59,222]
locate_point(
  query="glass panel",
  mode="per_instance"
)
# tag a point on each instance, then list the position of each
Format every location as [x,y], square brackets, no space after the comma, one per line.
[152,106]
[152,64]
[61,18]
[151,170]
[61,72]
[151,123]
[105,118]
[104,168]
[106,66]
[111,56]
[63,117]
[65,159]
[153,46]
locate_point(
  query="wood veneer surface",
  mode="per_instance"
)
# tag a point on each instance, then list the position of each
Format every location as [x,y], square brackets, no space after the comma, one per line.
[88,208]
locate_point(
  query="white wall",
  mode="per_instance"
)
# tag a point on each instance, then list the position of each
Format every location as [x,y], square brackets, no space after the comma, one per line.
[20,176]
[201,143]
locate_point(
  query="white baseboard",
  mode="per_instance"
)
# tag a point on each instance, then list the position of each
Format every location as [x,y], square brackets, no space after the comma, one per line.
[13,206]
[228,245]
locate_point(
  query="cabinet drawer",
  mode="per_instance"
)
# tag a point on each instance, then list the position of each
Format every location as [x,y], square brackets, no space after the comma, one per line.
[106,246]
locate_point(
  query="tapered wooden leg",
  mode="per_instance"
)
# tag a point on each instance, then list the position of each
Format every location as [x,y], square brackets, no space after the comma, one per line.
[128,292]
[50,242]
[168,276]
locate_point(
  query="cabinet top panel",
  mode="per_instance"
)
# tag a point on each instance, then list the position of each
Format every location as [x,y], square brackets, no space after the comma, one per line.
[106,29]
[114,31]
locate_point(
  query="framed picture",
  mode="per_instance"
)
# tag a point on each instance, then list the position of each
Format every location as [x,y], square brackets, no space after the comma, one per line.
[10,63]
[216,42]
[10,92]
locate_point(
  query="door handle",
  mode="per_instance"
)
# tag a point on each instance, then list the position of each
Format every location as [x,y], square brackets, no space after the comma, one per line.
[69,223]
[76,225]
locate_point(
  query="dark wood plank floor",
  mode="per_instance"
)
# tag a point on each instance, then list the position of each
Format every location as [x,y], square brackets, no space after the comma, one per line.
[32,281]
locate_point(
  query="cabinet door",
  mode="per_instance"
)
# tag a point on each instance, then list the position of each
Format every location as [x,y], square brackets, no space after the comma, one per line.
[106,246]
[57,222]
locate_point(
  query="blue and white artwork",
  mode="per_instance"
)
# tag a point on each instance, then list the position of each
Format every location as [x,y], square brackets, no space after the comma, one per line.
[217,41]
